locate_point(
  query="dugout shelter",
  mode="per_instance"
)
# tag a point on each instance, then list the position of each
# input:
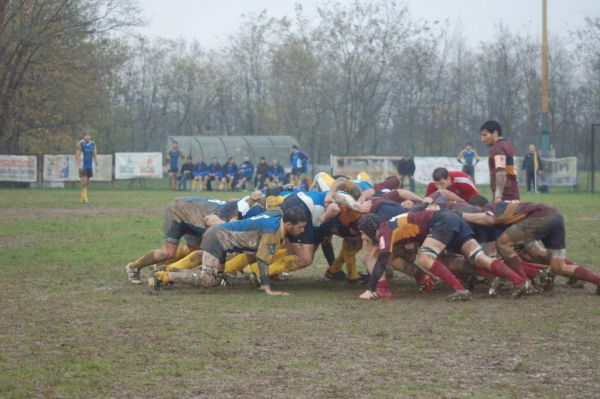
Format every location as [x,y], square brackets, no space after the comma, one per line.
[223,147]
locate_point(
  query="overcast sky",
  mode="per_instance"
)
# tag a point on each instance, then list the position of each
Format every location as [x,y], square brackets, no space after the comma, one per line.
[210,21]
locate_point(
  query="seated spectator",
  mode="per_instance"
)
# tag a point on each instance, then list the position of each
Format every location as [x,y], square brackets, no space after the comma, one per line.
[262,172]
[214,172]
[185,174]
[276,174]
[245,173]
[230,172]
[200,172]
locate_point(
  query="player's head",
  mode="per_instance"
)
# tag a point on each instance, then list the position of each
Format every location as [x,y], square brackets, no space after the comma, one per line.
[364,176]
[468,146]
[87,137]
[189,158]
[275,161]
[246,158]
[478,200]
[174,144]
[490,132]
[441,178]
[230,160]
[294,148]
[368,225]
[531,148]
[294,220]
[263,160]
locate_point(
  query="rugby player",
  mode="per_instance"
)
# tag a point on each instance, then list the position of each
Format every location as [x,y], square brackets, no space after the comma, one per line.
[263,234]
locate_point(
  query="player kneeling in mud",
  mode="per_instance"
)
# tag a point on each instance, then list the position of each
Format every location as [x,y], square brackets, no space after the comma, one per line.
[263,234]
[432,232]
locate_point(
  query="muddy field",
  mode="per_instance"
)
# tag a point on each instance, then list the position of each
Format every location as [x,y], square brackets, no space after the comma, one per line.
[71,326]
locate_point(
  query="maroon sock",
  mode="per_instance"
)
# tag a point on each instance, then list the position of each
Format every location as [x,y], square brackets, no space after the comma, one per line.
[500,269]
[418,275]
[489,276]
[533,265]
[530,271]
[584,274]
[440,270]
[514,262]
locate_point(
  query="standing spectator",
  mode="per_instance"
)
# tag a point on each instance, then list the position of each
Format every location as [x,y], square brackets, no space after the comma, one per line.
[299,164]
[501,159]
[468,157]
[262,171]
[85,154]
[174,156]
[532,165]
[245,173]
[185,174]
[214,173]
[406,168]
[230,172]
[276,173]
[200,172]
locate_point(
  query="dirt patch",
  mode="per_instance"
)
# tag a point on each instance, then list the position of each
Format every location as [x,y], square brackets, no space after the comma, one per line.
[7,242]
[15,214]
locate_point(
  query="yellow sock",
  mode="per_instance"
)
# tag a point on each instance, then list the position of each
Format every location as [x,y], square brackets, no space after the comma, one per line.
[162,276]
[191,261]
[236,264]
[193,188]
[350,259]
[81,195]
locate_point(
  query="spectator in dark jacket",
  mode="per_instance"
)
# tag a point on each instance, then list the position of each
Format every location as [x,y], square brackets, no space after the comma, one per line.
[245,173]
[276,173]
[406,168]
[230,172]
[532,165]
[185,173]
[215,173]
[262,171]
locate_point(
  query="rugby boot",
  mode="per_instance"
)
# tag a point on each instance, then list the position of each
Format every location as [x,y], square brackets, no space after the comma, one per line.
[460,295]
[133,275]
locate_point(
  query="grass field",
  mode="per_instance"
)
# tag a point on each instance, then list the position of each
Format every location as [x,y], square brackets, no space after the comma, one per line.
[71,326]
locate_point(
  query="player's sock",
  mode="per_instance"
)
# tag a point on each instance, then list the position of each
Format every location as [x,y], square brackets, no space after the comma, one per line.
[584,274]
[500,269]
[514,262]
[531,269]
[192,260]
[350,260]
[441,271]
[329,253]
[489,276]
[236,264]
[81,196]
[146,260]
[85,195]
[285,264]
[337,264]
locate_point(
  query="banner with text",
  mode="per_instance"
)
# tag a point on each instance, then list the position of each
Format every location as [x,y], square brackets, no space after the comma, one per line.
[557,172]
[22,168]
[62,167]
[133,165]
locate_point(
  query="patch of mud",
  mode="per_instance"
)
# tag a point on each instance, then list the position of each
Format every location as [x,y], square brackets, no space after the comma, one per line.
[15,214]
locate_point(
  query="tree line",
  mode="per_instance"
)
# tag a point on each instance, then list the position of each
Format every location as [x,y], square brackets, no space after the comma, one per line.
[360,78]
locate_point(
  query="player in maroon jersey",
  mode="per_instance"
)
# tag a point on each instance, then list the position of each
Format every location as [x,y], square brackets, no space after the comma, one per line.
[501,160]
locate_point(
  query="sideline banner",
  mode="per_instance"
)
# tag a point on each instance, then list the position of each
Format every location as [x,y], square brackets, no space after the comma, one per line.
[133,165]
[556,172]
[22,168]
[62,167]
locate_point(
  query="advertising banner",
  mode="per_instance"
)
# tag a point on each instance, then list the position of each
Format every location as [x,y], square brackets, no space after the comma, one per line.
[133,165]
[22,168]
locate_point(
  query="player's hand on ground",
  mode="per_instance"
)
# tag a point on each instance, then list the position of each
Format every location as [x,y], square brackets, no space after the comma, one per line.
[267,289]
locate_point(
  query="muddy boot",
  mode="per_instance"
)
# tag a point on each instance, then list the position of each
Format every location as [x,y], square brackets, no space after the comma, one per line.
[460,295]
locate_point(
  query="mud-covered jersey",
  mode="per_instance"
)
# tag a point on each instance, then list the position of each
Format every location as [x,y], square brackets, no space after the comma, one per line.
[263,233]
[506,213]
[502,157]
[405,228]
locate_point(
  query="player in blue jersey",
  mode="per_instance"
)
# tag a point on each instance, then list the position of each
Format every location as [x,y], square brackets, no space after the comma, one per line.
[263,235]
[186,216]
[85,156]
[468,158]
[174,156]
[299,165]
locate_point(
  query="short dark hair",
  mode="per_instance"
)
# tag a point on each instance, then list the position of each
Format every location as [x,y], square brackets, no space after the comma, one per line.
[369,224]
[490,126]
[295,147]
[295,215]
[440,173]
[468,144]
[478,200]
